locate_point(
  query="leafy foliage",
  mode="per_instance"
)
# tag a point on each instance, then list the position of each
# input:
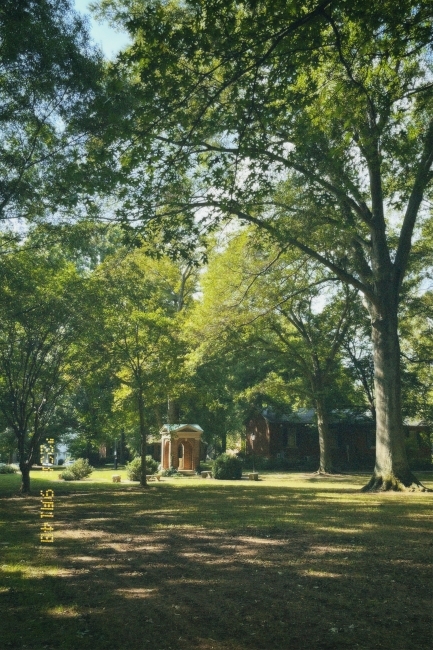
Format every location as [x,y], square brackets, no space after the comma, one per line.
[310,120]
[171,471]
[227,467]
[280,321]
[42,315]
[8,444]
[48,77]
[7,469]
[133,468]
[79,470]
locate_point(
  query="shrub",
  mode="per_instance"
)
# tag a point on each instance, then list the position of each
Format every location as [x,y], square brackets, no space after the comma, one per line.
[8,469]
[227,467]
[80,469]
[133,469]
[60,461]
[151,465]
[67,475]
[172,471]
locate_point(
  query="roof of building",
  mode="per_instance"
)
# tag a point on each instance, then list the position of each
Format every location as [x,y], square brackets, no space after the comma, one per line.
[271,416]
[419,424]
[175,427]
[308,416]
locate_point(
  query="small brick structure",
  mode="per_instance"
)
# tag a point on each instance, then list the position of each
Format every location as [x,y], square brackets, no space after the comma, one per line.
[181,447]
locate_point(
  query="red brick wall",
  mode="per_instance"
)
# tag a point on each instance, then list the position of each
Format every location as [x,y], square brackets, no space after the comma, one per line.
[259,426]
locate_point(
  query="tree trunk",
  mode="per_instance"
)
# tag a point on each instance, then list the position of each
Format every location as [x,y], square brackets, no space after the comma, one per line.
[391,470]
[122,447]
[318,393]
[143,438]
[325,465]
[25,478]
[158,417]
[173,412]
[223,438]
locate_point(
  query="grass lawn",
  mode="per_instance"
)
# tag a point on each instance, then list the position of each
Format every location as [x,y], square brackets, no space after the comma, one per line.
[291,562]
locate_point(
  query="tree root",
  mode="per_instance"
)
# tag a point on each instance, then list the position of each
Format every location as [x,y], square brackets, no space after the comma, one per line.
[322,472]
[404,482]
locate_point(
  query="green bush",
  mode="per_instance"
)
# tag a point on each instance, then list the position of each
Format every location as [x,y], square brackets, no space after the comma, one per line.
[67,475]
[172,471]
[80,469]
[8,469]
[227,467]
[133,469]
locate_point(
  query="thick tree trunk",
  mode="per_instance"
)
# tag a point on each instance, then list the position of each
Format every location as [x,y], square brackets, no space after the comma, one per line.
[391,470]
[325,464]
[143,438]
[25,478]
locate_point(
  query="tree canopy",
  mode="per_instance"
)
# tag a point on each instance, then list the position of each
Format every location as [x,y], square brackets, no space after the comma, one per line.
[308,122]
[311,121]
[42,313]
[49,72]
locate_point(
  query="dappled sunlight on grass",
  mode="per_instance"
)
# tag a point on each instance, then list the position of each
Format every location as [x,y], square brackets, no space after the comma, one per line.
[136,593]
[259,541]
[23,570]
[323,574]
[60,611]
[186,562]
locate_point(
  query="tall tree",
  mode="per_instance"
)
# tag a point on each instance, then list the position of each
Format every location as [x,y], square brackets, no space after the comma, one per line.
[136,332]
[312,342]
[312,120]
[287,311]
[42,312]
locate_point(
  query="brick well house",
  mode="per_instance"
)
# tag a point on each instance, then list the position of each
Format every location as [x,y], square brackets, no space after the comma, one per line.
[181,447]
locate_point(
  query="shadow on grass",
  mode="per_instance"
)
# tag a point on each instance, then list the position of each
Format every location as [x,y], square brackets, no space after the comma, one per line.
[226,566]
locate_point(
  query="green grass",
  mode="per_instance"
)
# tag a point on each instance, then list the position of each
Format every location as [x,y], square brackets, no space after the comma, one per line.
[292,561]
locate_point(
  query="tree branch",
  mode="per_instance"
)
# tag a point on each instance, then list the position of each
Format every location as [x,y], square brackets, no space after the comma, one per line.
[421,181]
[342,275]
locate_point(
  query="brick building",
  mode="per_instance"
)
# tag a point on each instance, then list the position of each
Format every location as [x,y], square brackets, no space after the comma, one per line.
[295,438]
[181,447]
